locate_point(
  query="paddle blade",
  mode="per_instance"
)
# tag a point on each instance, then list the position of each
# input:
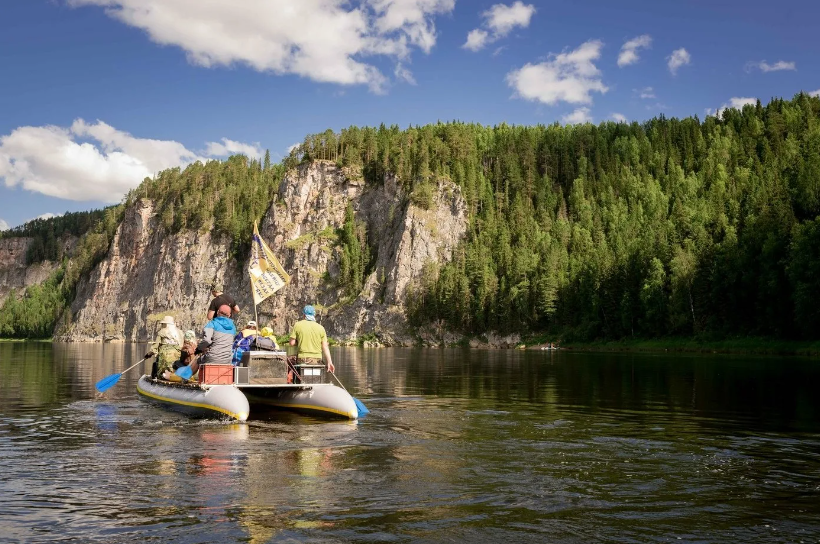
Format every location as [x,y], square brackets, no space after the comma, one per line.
[108,382]
[184,372]
[361,407]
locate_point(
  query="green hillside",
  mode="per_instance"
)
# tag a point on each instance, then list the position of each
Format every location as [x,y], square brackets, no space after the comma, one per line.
[667,228]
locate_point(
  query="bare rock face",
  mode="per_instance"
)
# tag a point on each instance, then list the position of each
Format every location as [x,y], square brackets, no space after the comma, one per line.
[148,274]
[145,276]
[403,237]
[14,273]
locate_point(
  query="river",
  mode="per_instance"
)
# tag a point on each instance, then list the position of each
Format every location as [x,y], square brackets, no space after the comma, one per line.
[460,446]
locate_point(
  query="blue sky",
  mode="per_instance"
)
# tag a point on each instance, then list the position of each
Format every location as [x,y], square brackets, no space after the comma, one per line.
[95,94]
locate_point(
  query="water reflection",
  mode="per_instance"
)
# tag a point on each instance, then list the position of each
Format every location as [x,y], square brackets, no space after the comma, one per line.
[460,445]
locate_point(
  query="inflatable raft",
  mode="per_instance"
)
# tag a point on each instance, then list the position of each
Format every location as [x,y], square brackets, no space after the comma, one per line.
[259,382]
[195,399]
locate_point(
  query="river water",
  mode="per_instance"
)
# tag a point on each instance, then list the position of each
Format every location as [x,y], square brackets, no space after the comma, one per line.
[460,446]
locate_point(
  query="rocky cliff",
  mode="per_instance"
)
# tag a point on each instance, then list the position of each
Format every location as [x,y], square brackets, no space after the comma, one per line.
[15,274]
[149,273]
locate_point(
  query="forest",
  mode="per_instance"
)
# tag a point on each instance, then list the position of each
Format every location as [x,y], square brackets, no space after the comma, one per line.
[670,227]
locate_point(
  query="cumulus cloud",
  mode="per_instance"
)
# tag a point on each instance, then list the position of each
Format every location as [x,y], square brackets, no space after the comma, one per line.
[734,102]
[629,50]
[322,40]
[815,93]
[679,57]
[499,21]
[764,66]
[230,147]
[568,77]
[4,225]
[577,117]
[92,161]
[620,118]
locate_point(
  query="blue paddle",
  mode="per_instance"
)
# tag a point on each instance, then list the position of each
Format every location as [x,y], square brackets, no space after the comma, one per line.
[359,404]
[184,372]
[361,407]
[108,382]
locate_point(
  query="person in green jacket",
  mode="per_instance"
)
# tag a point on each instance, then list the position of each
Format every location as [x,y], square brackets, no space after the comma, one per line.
[311,340]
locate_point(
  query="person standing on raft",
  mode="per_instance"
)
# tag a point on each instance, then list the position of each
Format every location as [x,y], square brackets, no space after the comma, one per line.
[221,299]
[166,346]
[311,340]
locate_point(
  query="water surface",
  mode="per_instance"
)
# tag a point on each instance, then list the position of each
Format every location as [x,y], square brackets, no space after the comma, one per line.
[460,446]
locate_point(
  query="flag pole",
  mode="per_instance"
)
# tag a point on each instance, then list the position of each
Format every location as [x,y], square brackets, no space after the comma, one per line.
[255,312]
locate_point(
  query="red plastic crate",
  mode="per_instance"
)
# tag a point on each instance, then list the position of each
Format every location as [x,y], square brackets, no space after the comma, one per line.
[216,374]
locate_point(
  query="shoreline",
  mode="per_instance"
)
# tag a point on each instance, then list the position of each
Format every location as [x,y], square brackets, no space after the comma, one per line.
[736,346]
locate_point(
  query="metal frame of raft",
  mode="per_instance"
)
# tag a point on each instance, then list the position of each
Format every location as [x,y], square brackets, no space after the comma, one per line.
[235,400]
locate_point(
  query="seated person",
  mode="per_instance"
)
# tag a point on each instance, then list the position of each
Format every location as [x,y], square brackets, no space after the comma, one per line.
[217,340]
[269,339]
[188,350]
[243,341]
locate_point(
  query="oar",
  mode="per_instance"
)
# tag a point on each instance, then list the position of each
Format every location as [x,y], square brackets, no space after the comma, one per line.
[359,404]
[108,382]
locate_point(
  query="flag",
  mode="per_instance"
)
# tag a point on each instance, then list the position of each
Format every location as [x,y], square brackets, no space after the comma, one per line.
[267,275]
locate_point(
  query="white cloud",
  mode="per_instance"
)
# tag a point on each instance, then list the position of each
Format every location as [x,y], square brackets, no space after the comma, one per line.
[679,57]
[293,146]
[404,74]
[4,225]
[764,66]
[568,77]
[230,147]
[734,102]
[629,51]
[815,93]
[500,20]
[646,93]
[620,118]
[47,215]
[90,161]
[577,117]
[476,39]
[322,40]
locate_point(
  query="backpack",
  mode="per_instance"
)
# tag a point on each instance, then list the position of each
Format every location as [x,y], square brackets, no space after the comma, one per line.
[264,343]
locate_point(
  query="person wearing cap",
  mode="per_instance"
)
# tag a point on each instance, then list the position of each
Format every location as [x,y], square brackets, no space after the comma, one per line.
[243,341]
[310,339]
[217,339]
[166,346]
[221,299]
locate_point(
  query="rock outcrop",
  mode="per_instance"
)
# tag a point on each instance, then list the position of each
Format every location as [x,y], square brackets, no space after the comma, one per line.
[148,273]
[15,274]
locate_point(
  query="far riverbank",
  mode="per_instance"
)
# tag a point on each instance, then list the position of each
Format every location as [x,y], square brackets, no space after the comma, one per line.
[759,346]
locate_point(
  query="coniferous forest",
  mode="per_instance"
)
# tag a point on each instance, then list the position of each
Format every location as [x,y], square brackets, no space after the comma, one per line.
[664,228]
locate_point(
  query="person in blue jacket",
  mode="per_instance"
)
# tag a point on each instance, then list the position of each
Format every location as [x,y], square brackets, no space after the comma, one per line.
[217,340]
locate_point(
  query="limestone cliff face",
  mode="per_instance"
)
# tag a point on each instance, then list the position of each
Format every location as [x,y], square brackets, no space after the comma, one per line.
[14,273]
[148,274]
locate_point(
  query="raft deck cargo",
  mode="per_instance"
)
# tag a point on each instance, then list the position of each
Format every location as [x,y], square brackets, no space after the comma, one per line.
[262,376]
